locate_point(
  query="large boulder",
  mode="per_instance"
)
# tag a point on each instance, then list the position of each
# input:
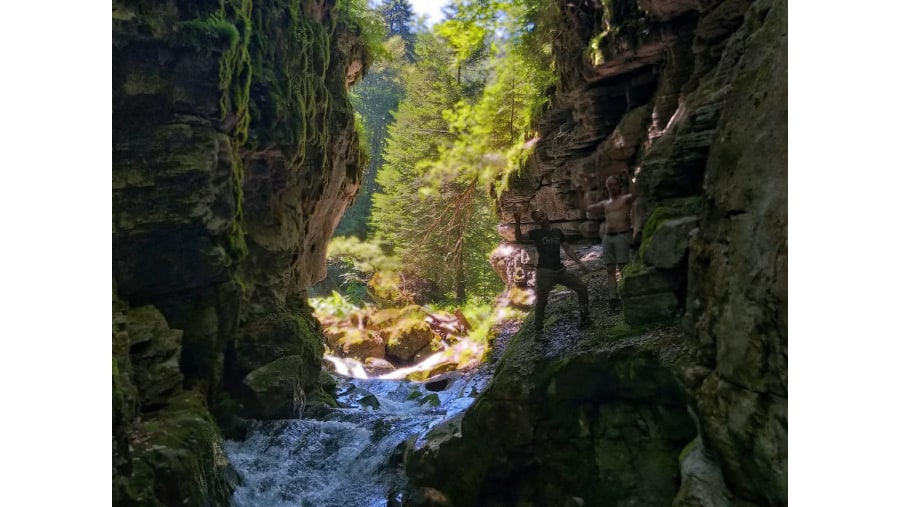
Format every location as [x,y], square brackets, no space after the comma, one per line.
[668,246]
[274,336]
[405,343]
[277,390]
[702,484]
[178,458]
[604,423]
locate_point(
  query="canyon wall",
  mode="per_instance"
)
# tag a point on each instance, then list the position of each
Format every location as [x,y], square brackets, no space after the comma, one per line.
[686,102]
[234,157]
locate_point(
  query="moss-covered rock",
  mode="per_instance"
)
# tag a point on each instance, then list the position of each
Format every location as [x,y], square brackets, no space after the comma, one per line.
[358,343]
[178,458]
[667,247]
[645,280]
[649,308]
[405,343]
[273,336]
[234,155]
[737,317]
[155,353]
[605,424]
[665,211]
[277,390]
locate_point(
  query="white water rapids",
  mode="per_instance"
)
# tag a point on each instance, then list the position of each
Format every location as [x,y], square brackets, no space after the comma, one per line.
[346,457]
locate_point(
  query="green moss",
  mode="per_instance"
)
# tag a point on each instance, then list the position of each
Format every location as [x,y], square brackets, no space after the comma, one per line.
[228,30]
[198,32]
[633,269]
[246,288]
[178,457]
[235,76]
[665,211]
[297,55]
[622,330]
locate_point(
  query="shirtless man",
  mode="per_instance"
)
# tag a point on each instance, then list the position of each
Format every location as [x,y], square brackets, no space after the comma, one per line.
[619,235]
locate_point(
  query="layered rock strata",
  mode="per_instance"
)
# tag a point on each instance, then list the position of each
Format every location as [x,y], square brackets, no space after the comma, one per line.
[234,156]
[689,100]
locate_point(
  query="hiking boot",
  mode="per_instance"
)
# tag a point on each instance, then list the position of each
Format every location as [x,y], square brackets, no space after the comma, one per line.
[585,323]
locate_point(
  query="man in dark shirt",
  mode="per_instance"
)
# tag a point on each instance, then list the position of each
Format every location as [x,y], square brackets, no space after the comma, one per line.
[550,269]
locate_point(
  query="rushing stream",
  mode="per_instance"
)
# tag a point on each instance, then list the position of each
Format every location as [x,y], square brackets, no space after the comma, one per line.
[345,457]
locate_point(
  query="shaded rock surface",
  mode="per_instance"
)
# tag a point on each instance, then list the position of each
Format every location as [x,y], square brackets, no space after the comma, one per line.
[690,99]
[234,156]
[603,420]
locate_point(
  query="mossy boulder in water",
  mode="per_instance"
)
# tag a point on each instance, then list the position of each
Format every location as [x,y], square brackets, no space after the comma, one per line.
[272,336]
[409,341]
[276,390]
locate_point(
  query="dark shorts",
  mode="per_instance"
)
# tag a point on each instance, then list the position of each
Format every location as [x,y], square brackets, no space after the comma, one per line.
[616,248]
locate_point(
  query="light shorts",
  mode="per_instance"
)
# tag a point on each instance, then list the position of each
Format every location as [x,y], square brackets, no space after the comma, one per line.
[616,248]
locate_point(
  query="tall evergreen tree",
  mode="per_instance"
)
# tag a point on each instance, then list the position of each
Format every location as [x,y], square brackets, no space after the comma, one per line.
[440,222]
[374,100]
[398,16]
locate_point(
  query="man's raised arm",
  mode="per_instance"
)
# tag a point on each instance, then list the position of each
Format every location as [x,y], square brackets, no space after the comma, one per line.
[582,202]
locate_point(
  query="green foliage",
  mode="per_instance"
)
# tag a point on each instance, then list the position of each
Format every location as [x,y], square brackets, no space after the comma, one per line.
[466,38]
[367,22]
[533,31]
[398,17]
[461,129]
[427,217]
[365,256]
[365,150]
[214,26]
[374,98]
[483,317]
[356,263]
[335,306]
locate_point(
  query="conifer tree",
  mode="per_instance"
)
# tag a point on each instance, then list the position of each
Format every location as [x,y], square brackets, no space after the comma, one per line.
[375,99]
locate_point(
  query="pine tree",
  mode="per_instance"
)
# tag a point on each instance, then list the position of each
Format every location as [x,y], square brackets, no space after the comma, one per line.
[374,99]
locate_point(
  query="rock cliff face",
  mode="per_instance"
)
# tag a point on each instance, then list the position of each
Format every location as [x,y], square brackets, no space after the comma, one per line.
[234,156]
[688,98]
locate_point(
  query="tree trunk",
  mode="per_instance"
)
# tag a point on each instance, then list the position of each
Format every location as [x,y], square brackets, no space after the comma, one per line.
[460,281]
